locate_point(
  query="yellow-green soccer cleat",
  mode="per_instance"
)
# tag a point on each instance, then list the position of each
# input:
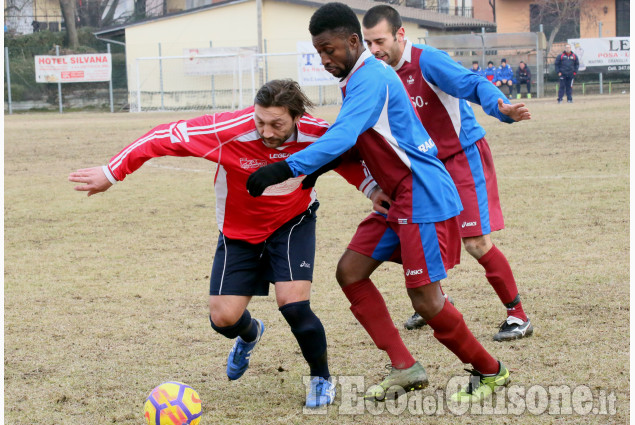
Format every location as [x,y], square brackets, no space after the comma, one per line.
[397,382]
[482,386]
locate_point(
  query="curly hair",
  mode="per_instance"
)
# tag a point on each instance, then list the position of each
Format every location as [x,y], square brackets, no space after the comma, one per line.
[335,17]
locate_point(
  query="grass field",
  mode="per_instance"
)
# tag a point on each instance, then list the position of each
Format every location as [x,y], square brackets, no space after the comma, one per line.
[106,297]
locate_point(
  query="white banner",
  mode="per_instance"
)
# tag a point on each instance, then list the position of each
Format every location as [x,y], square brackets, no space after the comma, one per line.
[612,53]
[73,68]
[218,60]
[310,69]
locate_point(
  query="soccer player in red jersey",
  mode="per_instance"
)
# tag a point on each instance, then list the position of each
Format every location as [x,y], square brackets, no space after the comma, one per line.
[270,239]
[440,89]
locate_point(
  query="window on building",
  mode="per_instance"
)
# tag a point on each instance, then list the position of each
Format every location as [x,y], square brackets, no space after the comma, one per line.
[570,28]
[622,18]
[419,4]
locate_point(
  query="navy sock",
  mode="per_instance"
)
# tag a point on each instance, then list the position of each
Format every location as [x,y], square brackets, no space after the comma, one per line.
[245,327]
[309,333]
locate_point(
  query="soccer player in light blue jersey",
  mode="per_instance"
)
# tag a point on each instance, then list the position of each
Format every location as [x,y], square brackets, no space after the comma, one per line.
[421,230]
[441,92]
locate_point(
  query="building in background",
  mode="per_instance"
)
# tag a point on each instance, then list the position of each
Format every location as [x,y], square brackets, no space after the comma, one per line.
[524,15]
[248,27]
[28,16]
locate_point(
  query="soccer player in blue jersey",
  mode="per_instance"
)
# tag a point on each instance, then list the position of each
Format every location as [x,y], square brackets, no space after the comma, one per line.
[419,230]
[440,91]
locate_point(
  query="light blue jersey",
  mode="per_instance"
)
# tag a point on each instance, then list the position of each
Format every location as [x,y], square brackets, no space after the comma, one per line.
[440,90]
[378,118]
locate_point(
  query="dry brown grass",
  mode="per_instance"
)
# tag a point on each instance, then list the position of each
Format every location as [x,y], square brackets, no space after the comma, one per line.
[106,297]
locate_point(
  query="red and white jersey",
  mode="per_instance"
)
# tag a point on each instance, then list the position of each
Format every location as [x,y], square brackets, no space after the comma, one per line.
[231,140]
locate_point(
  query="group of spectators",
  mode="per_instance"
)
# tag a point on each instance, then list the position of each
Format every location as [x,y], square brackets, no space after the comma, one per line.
[566,64]
[504,76]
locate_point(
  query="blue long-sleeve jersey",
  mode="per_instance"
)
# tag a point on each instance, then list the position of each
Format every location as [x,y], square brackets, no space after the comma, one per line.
[440,90]
[504,73]
[378,118]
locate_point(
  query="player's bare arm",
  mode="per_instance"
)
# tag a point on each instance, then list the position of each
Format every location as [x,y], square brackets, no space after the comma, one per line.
[93,180]
[516,111]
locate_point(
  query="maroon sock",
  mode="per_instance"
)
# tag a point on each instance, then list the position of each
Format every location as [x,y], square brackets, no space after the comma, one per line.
[369,307]
[499,275]
[450,329]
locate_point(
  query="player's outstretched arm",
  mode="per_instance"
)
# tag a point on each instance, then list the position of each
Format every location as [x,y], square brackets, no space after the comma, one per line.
[93,180]
[516,111]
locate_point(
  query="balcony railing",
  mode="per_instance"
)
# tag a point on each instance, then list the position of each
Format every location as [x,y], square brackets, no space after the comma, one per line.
[434,6]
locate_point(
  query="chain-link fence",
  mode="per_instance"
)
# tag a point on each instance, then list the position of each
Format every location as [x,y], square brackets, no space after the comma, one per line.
[228,78]
[217,81]
[485,47]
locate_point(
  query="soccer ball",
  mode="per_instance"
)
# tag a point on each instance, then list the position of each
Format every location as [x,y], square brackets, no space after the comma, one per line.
[173,403]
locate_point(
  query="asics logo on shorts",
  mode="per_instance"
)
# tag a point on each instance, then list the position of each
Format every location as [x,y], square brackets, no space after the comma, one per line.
[468,224]
[413,272]
[305,264]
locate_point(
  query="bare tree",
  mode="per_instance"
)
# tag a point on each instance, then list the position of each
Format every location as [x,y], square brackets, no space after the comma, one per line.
[96,13]
[68,12]
[557,14]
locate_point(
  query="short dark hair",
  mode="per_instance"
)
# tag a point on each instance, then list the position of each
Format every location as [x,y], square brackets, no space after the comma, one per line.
[285,93]
[490,62]
[376,13]
[335,17]
[474,62]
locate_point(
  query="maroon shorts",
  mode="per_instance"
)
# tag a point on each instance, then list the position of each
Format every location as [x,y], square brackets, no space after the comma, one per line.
[426,250]
[473,173]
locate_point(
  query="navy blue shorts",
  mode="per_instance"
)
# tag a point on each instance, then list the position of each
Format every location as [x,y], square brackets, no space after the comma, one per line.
[242,268]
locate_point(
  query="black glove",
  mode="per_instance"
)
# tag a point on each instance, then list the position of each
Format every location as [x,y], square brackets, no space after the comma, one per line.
[268,176]
[309,181]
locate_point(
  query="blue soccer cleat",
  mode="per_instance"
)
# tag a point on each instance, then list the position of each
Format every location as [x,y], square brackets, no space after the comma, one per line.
[238,360]
[322,392]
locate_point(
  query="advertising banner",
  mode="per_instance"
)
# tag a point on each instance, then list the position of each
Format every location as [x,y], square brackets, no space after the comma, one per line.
[604,54]
[311,72]
[73,68]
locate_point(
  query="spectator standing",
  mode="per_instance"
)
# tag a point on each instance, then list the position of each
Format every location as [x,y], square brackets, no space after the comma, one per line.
[523,76]
[567,64]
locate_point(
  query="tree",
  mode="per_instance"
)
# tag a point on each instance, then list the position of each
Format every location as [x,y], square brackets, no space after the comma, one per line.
[96,13]
[560,18]
[68,12]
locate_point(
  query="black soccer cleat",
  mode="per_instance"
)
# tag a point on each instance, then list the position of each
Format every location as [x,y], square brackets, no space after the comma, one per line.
[514,328]
[416,321]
